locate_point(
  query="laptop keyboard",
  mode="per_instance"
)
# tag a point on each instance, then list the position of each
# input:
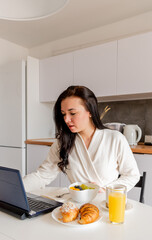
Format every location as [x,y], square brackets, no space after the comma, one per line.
[37,205]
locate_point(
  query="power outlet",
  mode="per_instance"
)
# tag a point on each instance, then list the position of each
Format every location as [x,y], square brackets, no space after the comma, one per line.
[148,139]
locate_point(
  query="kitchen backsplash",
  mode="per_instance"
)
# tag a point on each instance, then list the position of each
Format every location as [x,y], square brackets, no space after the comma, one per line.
[130,112]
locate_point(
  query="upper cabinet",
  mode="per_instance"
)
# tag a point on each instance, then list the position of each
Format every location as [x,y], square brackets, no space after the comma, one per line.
[135,64]
[95,67]
[56,74]
[110,69]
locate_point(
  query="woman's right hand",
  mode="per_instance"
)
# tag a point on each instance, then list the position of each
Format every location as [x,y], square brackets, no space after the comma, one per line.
[101,189]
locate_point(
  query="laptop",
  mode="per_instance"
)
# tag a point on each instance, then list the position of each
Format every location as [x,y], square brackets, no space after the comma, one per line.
[15,201]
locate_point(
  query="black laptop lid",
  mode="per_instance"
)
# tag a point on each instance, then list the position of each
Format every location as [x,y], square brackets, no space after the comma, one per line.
[12,189]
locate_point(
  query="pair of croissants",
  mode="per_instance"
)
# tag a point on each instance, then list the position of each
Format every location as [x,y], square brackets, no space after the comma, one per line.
[88,213]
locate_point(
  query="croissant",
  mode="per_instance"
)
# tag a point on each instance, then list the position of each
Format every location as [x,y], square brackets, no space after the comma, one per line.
[69,212]
[88,213]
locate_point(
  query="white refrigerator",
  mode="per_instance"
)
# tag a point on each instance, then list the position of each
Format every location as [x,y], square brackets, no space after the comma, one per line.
[13,115]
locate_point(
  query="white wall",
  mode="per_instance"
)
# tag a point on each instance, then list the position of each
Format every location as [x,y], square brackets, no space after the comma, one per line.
[39,115]
[117,30]
[11,52]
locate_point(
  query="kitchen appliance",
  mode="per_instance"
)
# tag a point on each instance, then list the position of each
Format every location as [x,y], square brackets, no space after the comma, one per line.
[132,133]
[115,126]
[13,116]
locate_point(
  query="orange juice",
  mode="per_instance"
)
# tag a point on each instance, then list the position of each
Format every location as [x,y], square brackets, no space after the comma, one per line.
[117,201]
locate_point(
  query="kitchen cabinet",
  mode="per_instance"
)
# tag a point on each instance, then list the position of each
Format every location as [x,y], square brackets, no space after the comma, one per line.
[134,64]
[114,68]
[13,158]
[95,67]
[56,74]
[36,154]
[144,162]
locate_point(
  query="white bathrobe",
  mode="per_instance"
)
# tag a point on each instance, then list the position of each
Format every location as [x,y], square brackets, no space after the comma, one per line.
[108,156]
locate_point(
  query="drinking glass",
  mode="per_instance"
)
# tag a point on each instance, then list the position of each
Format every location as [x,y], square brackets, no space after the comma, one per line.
[117,202]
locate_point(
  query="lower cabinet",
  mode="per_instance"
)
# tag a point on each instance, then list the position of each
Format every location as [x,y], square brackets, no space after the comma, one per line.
[36,154]
[13,158]
[144,162]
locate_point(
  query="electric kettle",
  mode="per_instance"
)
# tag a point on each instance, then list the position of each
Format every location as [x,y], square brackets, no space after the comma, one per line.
[115,126]
[132,133]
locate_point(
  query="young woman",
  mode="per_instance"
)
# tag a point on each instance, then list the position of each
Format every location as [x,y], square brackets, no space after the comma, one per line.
[84,149]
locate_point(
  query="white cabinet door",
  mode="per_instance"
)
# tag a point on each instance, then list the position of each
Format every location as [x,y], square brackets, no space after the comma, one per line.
[95,68]
[13,158]
[56,74]
[144,162]
[135,64]
[12,104]
[36,154]
[64,181]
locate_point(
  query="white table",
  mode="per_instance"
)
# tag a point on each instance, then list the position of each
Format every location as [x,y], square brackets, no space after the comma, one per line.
[137,226]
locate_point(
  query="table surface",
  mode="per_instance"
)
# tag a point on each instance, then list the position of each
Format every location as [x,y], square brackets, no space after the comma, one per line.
[137,225]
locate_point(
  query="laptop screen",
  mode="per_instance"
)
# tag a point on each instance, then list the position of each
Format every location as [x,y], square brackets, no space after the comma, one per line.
[12,189]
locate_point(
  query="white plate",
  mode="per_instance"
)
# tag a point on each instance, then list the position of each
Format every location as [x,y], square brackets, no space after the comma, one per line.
[56,215]
[128,206]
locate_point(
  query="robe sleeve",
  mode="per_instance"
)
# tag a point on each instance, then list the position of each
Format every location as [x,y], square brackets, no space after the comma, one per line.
[46,173]
[127,166]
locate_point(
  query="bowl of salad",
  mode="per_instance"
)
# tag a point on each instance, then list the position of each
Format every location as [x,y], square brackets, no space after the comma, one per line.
[83,192]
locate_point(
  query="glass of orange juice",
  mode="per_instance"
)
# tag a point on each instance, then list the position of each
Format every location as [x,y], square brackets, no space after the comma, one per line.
[117,202]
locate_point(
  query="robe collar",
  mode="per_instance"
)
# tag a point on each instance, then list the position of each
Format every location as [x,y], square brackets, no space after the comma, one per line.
[85,157]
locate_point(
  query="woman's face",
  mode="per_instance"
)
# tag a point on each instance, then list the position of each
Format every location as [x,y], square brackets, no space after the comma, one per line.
[75,115]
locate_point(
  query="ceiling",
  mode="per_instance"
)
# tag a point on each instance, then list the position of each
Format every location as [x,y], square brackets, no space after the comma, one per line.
[76,17]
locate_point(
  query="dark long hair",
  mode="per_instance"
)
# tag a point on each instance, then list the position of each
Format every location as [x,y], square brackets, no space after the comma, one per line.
[65,136]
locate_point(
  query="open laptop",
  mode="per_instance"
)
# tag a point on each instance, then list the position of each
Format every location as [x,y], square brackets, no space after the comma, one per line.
[15,201]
